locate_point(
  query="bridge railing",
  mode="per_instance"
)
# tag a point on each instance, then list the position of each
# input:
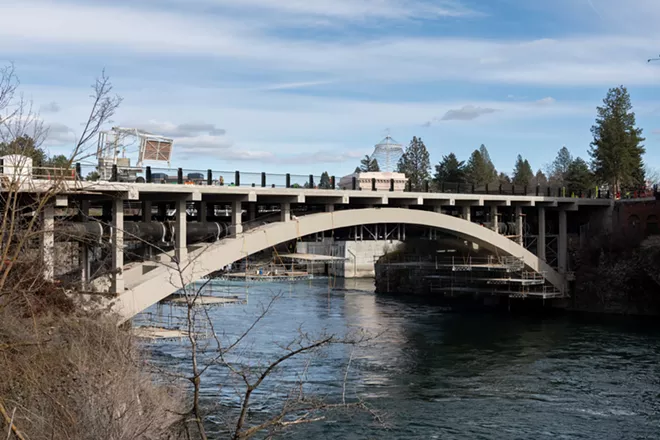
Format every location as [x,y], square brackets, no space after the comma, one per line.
[185,176]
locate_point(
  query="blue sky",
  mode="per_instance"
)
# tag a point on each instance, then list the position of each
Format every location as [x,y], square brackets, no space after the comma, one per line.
[304,86]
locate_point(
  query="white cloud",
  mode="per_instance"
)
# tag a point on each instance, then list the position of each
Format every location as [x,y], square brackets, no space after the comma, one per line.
[59,134]
[351,9]
[30,26]
[466,113]
[546,101]
[184,130]
[51,107]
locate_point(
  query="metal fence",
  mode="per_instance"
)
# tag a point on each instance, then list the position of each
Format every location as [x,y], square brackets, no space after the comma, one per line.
[209,177]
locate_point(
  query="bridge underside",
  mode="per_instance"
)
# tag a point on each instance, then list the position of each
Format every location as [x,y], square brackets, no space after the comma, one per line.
[148,283]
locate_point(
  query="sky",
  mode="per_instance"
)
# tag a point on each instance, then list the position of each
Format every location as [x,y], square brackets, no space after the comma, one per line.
[305,86]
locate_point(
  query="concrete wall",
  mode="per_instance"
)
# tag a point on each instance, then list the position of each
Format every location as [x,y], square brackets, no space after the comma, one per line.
[359,256]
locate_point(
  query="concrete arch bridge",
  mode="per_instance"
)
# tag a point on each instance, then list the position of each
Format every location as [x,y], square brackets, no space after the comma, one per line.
[148,283]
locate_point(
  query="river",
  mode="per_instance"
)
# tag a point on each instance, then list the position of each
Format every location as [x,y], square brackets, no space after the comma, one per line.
[433,374]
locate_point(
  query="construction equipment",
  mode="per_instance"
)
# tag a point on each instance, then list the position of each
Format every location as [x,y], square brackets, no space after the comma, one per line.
[116,143]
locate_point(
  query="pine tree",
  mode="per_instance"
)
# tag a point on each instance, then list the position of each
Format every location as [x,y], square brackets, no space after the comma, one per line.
[324,182]
[559,167]
[489,163]
[415,164]
[480,169]
[539,179]
[522,172]
[503,179]
[450,169]
[616,151]
[368,165]
[578,177]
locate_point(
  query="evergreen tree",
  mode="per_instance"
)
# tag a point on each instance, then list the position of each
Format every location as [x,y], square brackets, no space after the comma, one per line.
[25,146]
[415,164]
[578,177]
[480,169]
[503,179]
[522,173]
[559,167]
[368,165]
[450,169]
[489,163]
[324,182]
[539,179]
[92,176]
[616,151]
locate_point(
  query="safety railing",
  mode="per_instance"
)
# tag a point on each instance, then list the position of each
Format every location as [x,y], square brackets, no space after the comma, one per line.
[209,177]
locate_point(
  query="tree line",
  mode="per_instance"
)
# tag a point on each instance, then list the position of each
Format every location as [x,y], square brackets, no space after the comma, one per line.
[615,159]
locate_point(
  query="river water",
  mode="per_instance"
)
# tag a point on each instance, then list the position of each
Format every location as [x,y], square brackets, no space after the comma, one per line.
[433,374]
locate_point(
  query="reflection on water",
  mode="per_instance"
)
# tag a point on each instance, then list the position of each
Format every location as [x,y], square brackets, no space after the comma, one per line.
[443,375]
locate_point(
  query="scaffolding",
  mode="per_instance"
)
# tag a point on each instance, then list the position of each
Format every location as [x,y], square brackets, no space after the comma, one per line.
[491,275]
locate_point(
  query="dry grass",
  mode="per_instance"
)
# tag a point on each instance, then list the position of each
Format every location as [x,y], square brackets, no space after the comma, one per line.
[75,377]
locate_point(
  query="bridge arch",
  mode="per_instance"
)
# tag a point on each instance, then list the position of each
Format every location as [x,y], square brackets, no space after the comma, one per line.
[161,282]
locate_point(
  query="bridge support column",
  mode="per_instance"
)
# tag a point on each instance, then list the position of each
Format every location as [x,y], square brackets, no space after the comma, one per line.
[562,245]
[494,219]
[285,215]
[252,212]
[48,242]
[540,242]
[117,282]
[519,225]
[236,218]
[467,213]
[180,232]
[329,208]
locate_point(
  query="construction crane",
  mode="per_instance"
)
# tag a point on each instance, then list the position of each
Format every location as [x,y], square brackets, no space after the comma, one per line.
[116,143]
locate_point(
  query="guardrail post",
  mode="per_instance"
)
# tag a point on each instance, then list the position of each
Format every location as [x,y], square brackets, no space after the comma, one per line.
[147,174]
[525,189]
[179,176]
[500,188]
[580,194]
[425,186]
[237,178]
[373,184]
[2,166]
[311,181]
[548,191]
[354,183]
[78,171]
[589,194]
[288,180]
[263,179]
[409,185]
[538,190]
[332,182]
[113,176]
[608,193]
[473,188]
[209,177]
[391,184]
[487,189]
[513,189]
